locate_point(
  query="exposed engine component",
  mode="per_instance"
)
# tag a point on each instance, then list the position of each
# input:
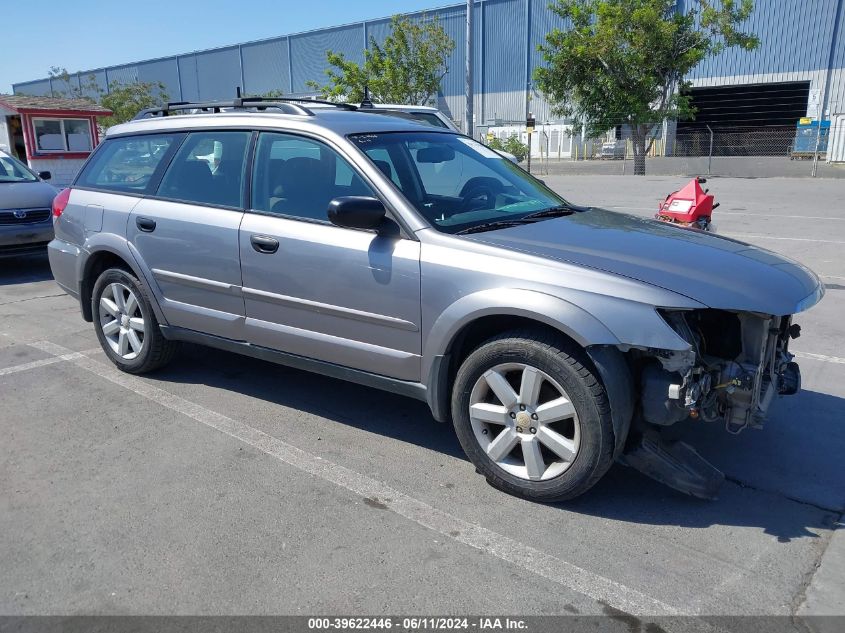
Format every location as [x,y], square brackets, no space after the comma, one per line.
[738,363]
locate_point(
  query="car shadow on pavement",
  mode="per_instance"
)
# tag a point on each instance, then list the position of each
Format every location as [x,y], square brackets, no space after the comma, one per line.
[373,410]
[626,495]
[24,269]
[622,495]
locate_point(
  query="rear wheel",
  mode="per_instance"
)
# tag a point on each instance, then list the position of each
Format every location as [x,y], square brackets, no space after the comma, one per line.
[532,416]
[126,325]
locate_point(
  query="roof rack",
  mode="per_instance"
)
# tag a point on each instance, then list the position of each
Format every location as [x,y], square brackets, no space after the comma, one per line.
[288,105]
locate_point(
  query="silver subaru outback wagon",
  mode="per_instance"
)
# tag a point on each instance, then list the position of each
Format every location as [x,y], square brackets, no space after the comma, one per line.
[556,338]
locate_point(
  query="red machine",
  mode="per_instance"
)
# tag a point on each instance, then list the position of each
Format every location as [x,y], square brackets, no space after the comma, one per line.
[691,206]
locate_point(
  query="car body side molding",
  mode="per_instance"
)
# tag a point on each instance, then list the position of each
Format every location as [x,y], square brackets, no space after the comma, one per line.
[402,387]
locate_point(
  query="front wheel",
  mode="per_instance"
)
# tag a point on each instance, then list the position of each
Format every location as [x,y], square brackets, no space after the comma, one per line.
[126,325]
[532,416]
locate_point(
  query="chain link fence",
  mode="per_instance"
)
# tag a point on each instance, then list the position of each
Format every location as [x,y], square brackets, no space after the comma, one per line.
[800,150]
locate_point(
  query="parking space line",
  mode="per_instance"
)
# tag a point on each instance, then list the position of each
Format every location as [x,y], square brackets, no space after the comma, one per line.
[5,371]
[821,357]
[776,216]
[790,239]
[721,213]
[505,548]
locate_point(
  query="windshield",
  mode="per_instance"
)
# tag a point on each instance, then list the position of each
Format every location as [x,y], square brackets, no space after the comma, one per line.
[454,182]
[12,170]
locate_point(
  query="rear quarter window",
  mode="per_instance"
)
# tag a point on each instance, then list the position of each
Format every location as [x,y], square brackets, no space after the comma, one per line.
[126,164]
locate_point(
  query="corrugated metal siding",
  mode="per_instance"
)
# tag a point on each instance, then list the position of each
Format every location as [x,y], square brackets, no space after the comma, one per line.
[794,37]
[451,98]
[479,49]
[123,74]
[34,88]
[543,21]
[815,77]
[266,67]
[836,102]
[95,80]
[378,30]
[164,70]
[505,44]
[308,52]
[839,45]
[188,78]
[836,143]
[453,21]
[218,73]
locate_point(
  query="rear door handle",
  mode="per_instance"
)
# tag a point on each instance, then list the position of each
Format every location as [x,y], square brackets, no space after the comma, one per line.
[147,225]
[264,244]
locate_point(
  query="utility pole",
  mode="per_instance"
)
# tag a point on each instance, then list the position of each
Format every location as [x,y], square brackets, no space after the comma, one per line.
[468,116]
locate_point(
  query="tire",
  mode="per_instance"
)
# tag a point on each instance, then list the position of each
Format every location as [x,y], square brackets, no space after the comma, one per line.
[127,328]
[581,430]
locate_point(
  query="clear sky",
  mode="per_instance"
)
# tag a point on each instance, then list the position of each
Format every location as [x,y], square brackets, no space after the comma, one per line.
[87,34]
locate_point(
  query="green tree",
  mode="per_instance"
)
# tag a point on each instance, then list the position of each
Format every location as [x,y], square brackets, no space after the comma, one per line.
[127,100]
[407,68]
[511,145]
[624,61]
[270,94]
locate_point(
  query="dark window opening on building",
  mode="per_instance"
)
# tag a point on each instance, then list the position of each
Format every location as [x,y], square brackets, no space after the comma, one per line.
[747,120]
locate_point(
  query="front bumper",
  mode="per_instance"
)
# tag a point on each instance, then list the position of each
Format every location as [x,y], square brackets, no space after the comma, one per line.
[25,239]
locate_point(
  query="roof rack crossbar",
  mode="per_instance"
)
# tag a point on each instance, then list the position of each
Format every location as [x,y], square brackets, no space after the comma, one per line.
[336,104]
[291,105]
[216,106]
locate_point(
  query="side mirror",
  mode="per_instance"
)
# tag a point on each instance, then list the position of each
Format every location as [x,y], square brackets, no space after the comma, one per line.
[356,212]
[45,175]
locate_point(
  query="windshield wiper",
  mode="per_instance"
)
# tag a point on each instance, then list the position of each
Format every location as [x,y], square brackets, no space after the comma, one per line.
[552,212]
[489,226]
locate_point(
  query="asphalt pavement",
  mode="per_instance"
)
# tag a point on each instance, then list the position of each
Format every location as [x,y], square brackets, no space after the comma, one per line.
[228,485]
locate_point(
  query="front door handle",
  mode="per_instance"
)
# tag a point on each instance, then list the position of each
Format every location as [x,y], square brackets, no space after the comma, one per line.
[147,225]
[264,244]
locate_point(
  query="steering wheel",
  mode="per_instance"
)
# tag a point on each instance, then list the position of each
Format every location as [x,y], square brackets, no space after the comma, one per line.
[480,193]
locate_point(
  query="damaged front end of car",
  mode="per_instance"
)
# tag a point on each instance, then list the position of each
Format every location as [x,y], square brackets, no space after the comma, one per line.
[737,362]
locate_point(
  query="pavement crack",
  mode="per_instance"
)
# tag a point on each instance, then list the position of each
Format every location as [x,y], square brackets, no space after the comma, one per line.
[8,303]
[831,522]
[745,484]
[801,595]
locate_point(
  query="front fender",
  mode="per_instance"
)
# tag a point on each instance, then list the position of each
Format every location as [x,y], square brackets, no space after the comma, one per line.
[600,322]
[573,321]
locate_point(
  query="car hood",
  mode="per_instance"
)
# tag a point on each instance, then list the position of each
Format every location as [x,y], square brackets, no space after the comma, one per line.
[26,195]
[716,271]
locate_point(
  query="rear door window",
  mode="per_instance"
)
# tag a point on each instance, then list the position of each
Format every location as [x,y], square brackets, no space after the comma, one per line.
[126,164]
[208,169]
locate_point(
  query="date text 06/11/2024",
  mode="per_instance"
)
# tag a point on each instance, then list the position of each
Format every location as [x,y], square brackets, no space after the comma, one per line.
[419,623]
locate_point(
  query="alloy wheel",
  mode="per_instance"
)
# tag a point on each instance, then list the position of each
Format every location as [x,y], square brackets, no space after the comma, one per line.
[524,421]
[122,321]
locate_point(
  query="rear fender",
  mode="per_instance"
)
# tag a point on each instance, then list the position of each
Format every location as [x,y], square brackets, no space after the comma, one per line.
[111,243]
